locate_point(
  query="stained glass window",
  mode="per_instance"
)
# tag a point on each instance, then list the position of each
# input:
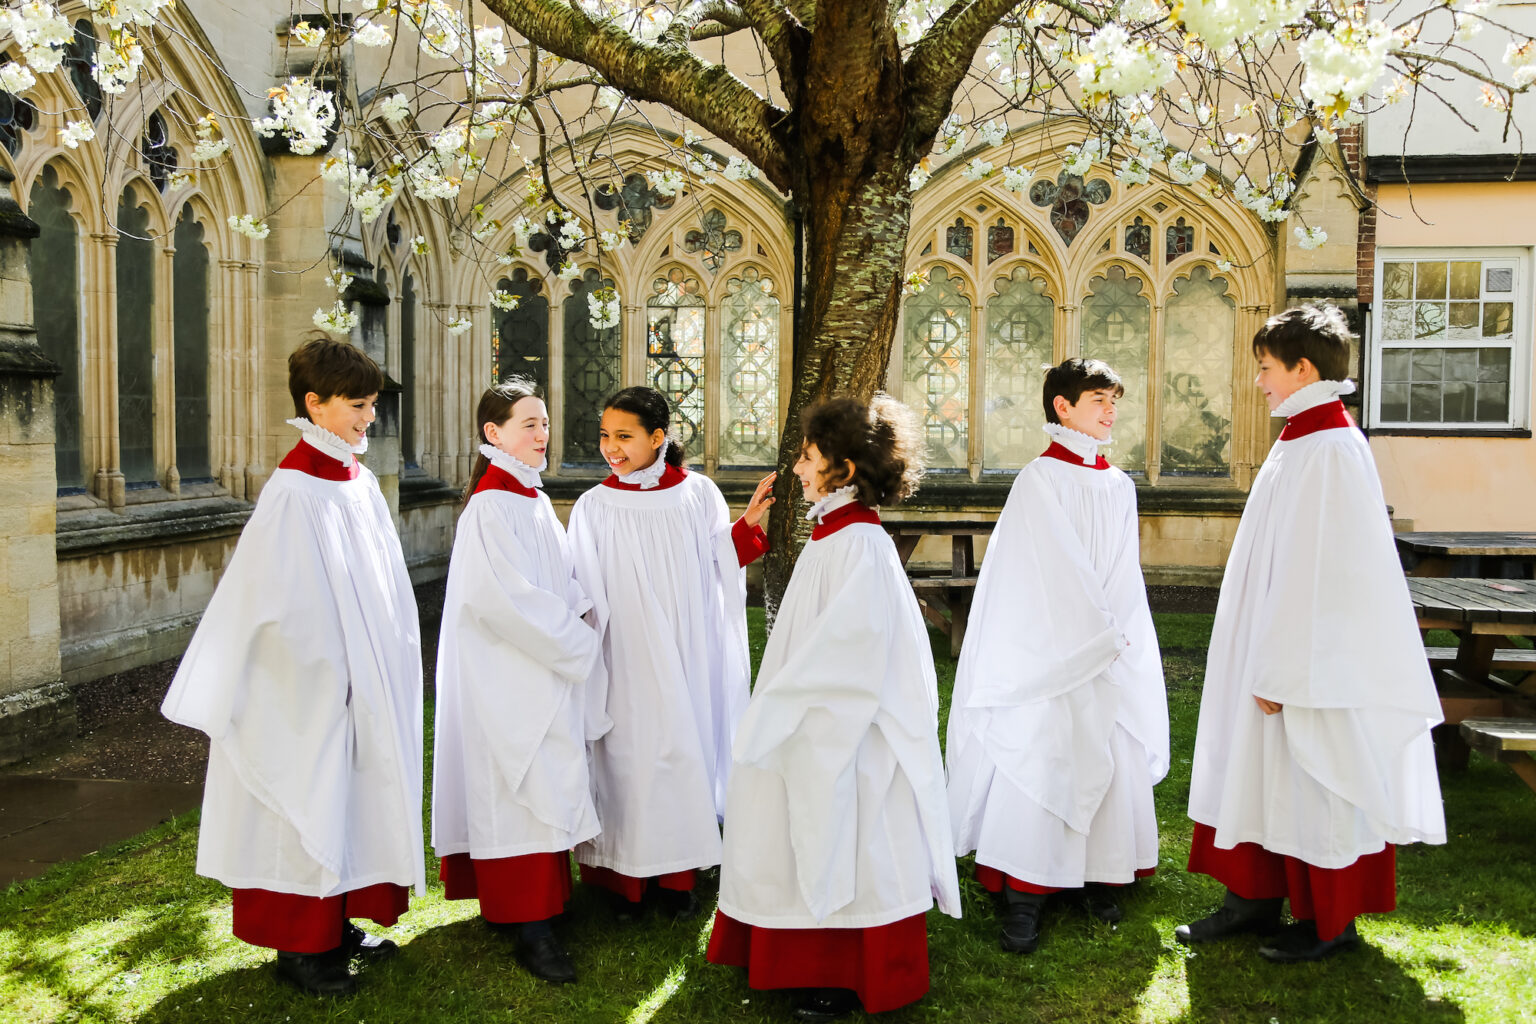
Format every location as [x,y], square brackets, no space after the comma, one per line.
[1138,240]
[1020,344]
[749,431]
[135,349]
[1199,323]
[959,239]
[633,200]
[409,452]
[1181,240]
[1446,338]
[79,56]
[674,352]
[937,367]
[1069,199]
[1117,321]
[17,117]
[999,240]
[521,343]
[189,293]
[53,259]
[591,366]
[158,153]
[714,240]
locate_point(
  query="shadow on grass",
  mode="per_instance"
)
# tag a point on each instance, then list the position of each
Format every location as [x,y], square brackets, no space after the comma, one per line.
[1230,982]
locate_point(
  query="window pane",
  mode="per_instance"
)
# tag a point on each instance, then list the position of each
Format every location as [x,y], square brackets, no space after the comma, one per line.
[1493,364]
[520,341]
[1492,403]
[1427,363]
[1424,403]
[1461,364]
[674,324]
[1197,377]
[937,367]
[1397,281]
[749,352]
[190,343]
[135,352]
[1429,319]
[1117,329]
[1020,343]
[54,264]
[1464,320]
[591,365]
[1466,279]
[1395,363]
[1498,319]
[1430,283]
[1394,403]
[1397,320]
[1456,402]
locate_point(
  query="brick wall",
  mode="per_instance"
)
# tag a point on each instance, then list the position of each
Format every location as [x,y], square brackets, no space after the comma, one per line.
[1365,241]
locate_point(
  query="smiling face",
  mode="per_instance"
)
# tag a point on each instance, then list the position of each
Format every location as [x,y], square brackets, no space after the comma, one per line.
[812,470]
[525,434]
[626,445]
[1093,414]
[347,418]
[1279,382]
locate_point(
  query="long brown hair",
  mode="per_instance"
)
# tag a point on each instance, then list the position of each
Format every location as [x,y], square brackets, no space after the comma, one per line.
[883,440]
[495,407]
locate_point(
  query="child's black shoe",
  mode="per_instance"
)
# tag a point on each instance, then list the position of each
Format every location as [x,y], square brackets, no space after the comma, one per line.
[319,974]
[820,1004]
[1298,943]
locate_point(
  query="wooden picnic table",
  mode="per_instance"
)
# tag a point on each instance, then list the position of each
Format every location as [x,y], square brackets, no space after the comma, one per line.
[942,591]
[1482,612]
[1481,554]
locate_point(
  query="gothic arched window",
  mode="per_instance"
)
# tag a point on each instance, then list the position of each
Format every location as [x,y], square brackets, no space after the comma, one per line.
[1117,324]
[54,263]
[937,367]
[591,370]
[189,292]
[749,354]
[521,340]
[674,352]
[135,342]
[1020,343]
[1197,376]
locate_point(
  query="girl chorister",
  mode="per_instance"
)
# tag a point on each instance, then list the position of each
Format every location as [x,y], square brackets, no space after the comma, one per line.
[655,549]
[837,835]
[511,795]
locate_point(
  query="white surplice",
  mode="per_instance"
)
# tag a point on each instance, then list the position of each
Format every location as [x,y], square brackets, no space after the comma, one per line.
[1315,615]
[1058,727]
[305,672]
[836,816]
[669,599]
[509,771]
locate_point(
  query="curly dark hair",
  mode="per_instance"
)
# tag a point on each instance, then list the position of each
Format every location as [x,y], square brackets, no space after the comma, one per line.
[883,440]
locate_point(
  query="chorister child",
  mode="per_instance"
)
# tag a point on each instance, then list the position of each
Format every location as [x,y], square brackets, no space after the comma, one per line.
[1058,728]
[655,549]
[1313,758]
[305,673]
[836,829]
[510,791]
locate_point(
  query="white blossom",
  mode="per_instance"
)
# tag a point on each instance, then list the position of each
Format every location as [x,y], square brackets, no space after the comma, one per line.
[915,282]
[1115,64]
[76,132]
[302,112]
[307,34]
[370,33]
[952,135]
[40,32]
[16,78]
[666,183]
[976,169]
[1241,143]
[1016,179]
[338,320]
[1224,266]
[568,271]
[419,246]
[246,224]
[1310,238]
[503,300]
[991,133]
[919,176]
[458,325]
[608,241]
[489,46]
[485,230]
[116,65]
[1185,169]
[211,142]
[396,109]
[603,308]
[1133,171]
[369,203]
[737,169]
[1343,63]
[339,279]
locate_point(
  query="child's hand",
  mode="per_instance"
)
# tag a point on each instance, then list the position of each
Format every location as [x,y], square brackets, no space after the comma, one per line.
[758,506]
[1269,707]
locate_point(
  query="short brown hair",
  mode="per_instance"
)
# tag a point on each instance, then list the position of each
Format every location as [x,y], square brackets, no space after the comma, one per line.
[1318,334]
[495,407]
[1073,377]
[329,368]
[883,440]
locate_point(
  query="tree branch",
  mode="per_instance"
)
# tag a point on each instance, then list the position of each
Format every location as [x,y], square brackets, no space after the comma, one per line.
[707,94]
[943,57]
[785,39]
[684,27]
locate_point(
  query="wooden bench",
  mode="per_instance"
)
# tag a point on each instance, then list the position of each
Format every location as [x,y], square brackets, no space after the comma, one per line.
[939,590]
[1511,740]
[1505,659]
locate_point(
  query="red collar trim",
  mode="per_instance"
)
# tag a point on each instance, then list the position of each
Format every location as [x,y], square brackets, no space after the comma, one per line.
[671,477]
[846,515]
[308,459]
[497,479]
[1328,416]
[1057,450]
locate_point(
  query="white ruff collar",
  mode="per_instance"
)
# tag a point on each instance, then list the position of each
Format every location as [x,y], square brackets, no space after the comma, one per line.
[1319,392]
[1084,446]
[832,502]
[649,477]
[515,467]
[325,441]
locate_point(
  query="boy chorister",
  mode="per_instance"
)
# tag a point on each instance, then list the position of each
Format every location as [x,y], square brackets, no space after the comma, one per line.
[836,828]
[305,673]
[1058,728]
[510,792]
[1313,757]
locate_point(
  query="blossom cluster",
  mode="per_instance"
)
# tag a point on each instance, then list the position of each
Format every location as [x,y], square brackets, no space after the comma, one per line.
[246,224]
[603,308]
[211,141]
[338,320]
[302,112]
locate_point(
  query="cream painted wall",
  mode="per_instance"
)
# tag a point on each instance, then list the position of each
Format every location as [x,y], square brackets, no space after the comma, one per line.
[1459,483]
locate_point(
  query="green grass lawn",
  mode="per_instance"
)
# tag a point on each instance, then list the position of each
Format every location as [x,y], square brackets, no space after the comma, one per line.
[132,934]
